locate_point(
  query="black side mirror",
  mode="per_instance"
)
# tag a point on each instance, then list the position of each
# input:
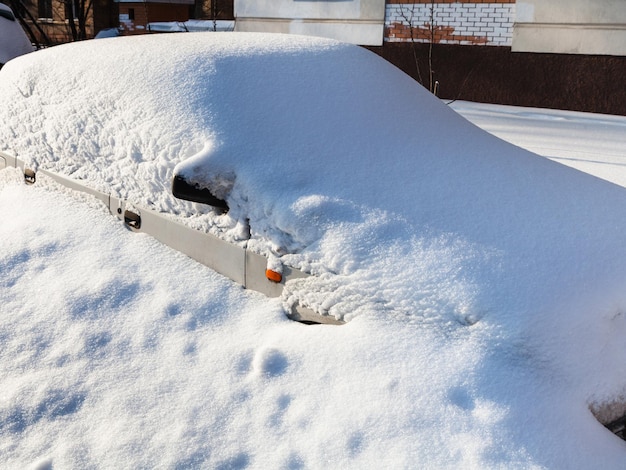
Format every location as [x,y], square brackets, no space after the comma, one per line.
[191,192]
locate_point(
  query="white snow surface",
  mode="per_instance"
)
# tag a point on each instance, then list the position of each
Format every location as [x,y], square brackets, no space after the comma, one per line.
[485,285]
[592,143]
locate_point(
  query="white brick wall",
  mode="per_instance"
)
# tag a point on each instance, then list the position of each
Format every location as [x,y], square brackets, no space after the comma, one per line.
[457,23]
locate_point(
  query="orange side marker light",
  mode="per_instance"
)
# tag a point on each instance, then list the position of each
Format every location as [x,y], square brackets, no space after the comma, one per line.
[273,275]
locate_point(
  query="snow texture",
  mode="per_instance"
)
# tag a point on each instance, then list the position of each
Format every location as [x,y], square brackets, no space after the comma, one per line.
[484,284]
[592,143]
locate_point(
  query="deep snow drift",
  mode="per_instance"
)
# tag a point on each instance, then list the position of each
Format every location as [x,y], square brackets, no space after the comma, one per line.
[484,284]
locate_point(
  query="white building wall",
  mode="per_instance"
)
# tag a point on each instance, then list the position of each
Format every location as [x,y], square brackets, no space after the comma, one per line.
[555,26]
[571,26]
[488,24]
[354,21]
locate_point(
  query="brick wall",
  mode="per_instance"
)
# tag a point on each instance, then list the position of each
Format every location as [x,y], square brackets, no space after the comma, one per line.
[135,16]
[487,22]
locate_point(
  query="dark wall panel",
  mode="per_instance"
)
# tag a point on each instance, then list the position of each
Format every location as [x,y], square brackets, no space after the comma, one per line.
[497,75]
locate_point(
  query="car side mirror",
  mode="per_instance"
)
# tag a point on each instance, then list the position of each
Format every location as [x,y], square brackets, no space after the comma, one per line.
[182,189]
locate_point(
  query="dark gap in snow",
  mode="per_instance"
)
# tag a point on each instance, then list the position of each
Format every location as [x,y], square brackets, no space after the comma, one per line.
[612,415]
[618,427]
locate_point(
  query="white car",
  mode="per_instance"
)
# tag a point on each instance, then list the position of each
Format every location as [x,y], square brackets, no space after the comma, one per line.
[13,40]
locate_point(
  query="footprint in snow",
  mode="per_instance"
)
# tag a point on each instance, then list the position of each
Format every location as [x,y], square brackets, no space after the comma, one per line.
[269,363]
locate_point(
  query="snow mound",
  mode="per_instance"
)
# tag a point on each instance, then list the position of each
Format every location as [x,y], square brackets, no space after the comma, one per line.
[334,157]
[497,275]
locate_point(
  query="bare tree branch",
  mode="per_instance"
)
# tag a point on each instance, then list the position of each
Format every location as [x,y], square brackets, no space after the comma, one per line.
[409,20]
[22,13]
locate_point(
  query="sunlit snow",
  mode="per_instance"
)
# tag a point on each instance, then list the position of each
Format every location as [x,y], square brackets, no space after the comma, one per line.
[484,285]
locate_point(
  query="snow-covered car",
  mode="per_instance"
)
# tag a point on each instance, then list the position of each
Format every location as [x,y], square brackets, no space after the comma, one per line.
[493,279]
[13,40]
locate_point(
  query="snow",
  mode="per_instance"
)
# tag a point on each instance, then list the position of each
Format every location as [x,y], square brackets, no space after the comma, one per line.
[483,285]
[107,33]
[13,41]
[591,143]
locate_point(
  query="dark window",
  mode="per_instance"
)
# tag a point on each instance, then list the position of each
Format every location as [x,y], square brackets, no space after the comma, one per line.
[131,13]
[70,9]
[44,8]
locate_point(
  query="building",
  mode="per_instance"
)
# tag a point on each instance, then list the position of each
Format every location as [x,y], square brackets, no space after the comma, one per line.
[360,22]
[136,16]
[567,54]
[570,26]
[49,22]
[543,26]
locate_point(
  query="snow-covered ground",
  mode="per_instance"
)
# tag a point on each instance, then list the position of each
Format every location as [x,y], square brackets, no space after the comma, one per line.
[485,286]
[592,143]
